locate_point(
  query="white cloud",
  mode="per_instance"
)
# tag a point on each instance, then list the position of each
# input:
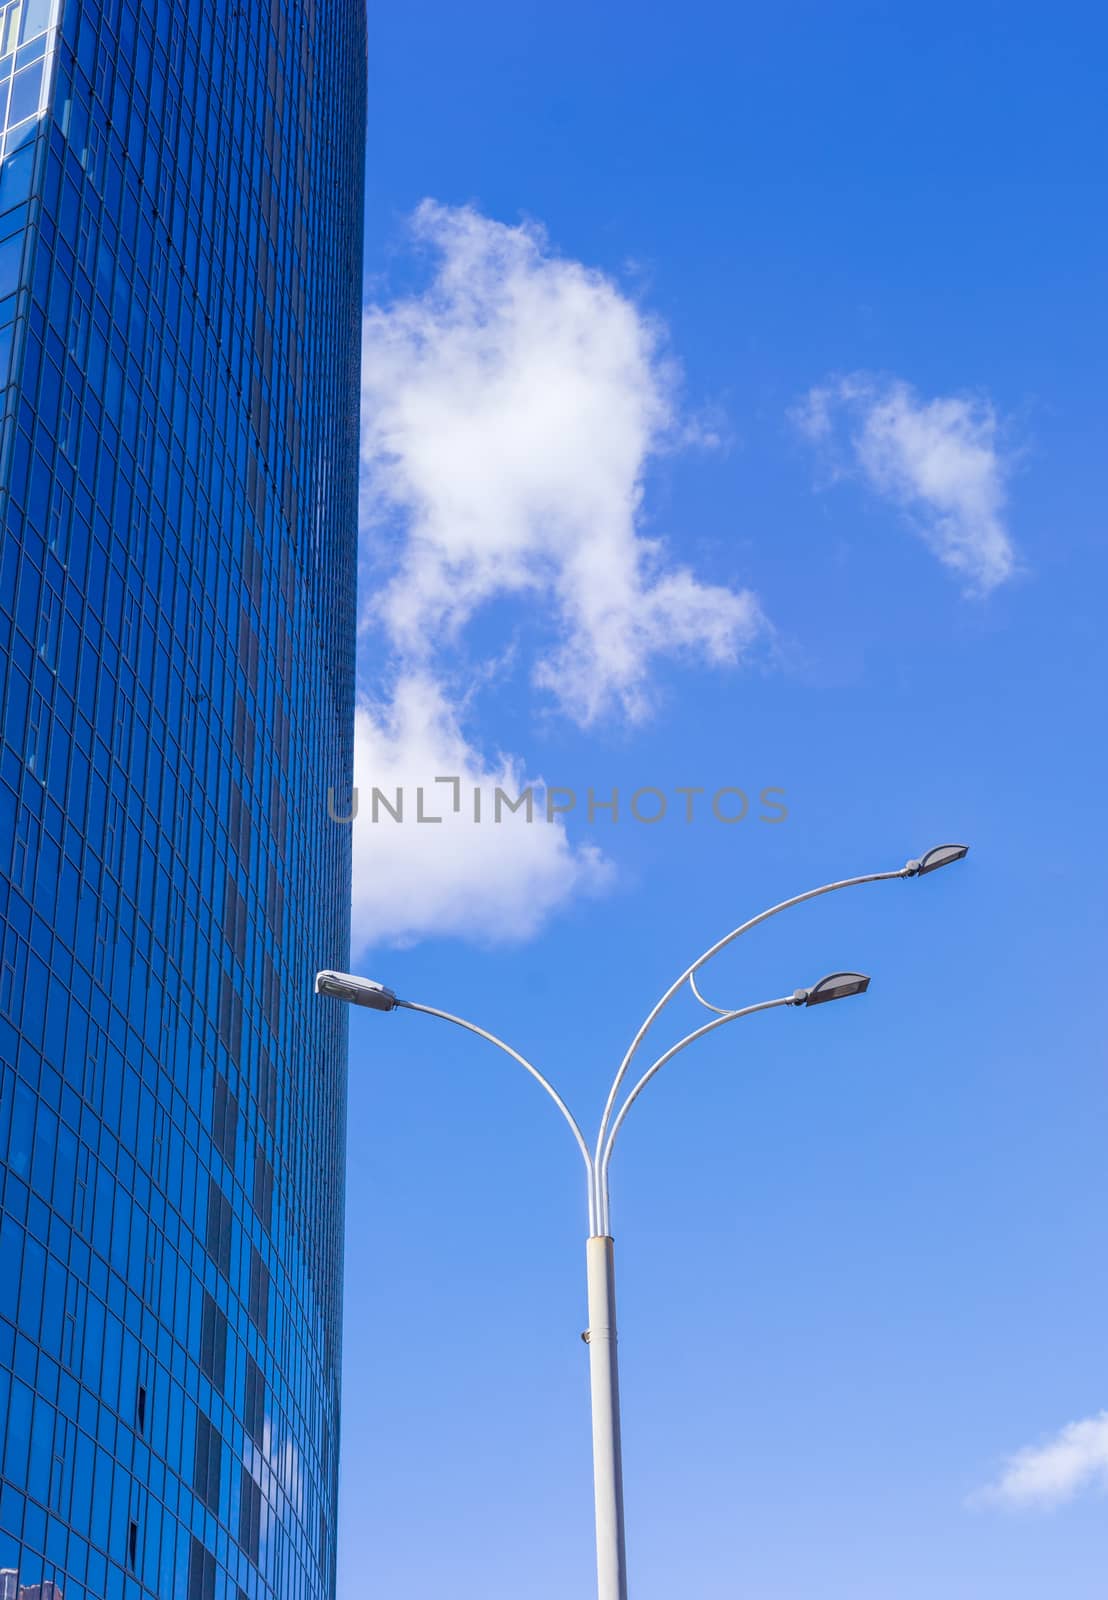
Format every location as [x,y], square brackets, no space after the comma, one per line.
[939,459]
[509,413]
[508,416]
[1047,1474]
[482,880]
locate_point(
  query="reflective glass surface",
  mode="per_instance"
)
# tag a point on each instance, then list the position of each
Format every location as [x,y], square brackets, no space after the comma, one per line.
[180,266]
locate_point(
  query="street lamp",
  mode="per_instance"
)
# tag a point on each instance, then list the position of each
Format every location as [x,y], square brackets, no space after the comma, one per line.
[836,986]
[600,1336]
[358,991]
[941,856]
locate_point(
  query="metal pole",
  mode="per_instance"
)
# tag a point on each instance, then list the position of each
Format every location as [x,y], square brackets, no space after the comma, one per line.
[611,1556]
[607,1461]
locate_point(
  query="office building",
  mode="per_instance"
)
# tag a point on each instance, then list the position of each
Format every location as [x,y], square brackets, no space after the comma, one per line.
[180,276]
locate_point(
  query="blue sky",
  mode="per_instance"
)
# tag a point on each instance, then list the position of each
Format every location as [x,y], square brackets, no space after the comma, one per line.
[858,1248]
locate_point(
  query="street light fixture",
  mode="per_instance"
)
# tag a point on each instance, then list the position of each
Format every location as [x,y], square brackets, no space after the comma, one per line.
[611,1559]
[941,856]
[836,986]
[358,991]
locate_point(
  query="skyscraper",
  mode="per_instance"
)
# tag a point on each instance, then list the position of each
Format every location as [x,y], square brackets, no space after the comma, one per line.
[180,264]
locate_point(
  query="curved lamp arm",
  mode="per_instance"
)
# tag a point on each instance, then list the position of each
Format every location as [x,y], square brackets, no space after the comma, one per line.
[720,1011]
[483,1033]
[603,1208]
[689,975]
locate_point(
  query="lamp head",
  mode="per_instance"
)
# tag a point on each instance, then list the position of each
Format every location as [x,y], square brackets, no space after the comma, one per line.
[941,856]
[357,991]
[836,986]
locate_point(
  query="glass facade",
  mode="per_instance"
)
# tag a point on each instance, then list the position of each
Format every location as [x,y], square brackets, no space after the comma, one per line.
[180,278]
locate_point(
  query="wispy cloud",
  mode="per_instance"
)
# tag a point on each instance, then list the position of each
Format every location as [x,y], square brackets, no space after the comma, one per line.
[510,411]
[941,460]
[1075,1459]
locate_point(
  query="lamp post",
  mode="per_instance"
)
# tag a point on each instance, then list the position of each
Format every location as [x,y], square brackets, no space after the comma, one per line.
[611,1560]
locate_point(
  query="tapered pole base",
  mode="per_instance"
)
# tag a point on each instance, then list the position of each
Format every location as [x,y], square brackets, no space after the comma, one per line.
[611,1556]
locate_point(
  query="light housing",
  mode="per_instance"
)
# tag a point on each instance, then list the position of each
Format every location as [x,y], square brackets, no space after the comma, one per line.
[358,991]
[836,986]
[941,856]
